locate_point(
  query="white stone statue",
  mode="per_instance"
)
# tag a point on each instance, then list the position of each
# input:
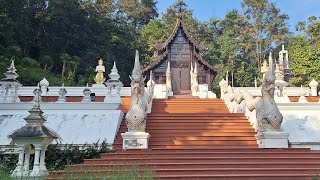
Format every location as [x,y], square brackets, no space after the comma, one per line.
[168,78]
[194,78]
[151,84]
[137,115]
[268,115]
[223,88]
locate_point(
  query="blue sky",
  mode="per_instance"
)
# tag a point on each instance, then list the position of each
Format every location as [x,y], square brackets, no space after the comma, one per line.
[298,10]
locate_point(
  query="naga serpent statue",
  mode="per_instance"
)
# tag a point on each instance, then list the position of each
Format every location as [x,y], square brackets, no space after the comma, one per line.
[137,115]
[268,115]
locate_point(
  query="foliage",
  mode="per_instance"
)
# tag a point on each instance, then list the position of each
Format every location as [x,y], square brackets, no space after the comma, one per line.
[7,164]
[67,37]
[62,40]
[4,175]
[304,51]
[265,26]
[58,157]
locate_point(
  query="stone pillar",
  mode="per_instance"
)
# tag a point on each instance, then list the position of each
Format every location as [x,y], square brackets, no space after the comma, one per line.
[313,85]
[26,169]
[18,171]
[86,98]
[36,164]
[16,95]
[43,168]
[302,98]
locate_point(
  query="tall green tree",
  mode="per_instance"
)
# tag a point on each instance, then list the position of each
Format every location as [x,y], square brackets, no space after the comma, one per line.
[265,25]
[304,51]
[138,12]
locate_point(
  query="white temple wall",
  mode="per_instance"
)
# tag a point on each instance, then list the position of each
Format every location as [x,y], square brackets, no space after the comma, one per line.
[76,123]
[302,122]
[289,91]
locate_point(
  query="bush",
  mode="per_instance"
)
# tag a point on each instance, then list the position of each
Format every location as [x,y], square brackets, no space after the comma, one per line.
[56,157]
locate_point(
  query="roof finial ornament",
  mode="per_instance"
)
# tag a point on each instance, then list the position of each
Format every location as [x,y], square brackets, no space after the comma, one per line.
[179,12]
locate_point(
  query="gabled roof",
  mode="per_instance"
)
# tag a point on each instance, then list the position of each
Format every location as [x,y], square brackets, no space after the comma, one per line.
[156,62]
[179,25]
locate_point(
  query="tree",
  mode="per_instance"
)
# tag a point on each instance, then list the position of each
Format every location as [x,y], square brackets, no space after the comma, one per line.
[65,58]
[265,25]
[46,62]
[137,12]
[304,51]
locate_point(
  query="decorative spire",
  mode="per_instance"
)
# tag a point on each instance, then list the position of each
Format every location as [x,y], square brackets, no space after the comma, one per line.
[136,72]
[114,72]
[11,73]
[179,12]
[35,117]
[136,61]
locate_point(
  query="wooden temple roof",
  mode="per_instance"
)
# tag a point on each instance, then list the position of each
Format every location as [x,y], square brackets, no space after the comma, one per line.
[164,48]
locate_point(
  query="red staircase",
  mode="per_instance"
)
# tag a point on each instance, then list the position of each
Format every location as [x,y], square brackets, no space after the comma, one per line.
[200,139]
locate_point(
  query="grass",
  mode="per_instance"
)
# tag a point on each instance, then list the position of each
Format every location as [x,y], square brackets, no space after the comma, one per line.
[117,172]
[4,173]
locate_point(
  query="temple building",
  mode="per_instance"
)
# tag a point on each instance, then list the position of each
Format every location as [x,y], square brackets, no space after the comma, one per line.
[183,53]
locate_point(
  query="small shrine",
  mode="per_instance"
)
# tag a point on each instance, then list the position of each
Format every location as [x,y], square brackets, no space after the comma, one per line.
[34,137]
[182,52]
[10,85]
